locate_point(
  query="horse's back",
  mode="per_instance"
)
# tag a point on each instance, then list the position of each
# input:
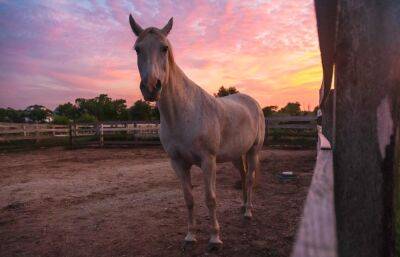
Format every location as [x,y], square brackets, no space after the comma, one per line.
[242,104]
[242,100]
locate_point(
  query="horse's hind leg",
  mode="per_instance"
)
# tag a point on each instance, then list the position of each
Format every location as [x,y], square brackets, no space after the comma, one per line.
[240,165]
[182,170]
[252,165]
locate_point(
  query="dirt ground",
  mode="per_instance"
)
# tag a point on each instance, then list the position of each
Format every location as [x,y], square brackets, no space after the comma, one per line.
[128,202]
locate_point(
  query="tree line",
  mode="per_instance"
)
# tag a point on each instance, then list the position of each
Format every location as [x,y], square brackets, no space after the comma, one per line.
[293,109]
[104,108]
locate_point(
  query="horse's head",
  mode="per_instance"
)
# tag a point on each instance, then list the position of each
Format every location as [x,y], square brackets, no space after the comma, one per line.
[153,58]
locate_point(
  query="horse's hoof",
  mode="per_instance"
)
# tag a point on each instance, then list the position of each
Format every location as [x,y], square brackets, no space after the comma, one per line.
[214,247]
[248,215]
[188,245]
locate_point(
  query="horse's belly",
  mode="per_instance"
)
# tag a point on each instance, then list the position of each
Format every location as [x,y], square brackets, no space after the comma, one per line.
[237,140]
[233,149]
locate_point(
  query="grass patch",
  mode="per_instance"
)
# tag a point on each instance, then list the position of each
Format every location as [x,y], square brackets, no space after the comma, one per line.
[299,138]
[30,144]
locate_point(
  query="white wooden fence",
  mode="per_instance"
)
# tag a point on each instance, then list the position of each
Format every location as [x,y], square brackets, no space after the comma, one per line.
[140,129]
[24,131]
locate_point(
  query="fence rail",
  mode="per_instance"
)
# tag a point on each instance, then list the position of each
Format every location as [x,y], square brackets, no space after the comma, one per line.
[292,122]
[317,232]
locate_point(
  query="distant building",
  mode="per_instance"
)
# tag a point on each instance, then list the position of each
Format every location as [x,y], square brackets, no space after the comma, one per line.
[38,113]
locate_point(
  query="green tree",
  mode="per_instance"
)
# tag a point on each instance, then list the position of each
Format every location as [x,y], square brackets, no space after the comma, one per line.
[222,91]
[61,120]
[291,109]
[11,115]
[141,110]
[120,112]
[87,118]
[103,108]
[270,110]
[68,110]
[155,113]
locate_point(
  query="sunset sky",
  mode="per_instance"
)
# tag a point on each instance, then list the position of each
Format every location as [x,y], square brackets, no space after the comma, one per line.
[55,51]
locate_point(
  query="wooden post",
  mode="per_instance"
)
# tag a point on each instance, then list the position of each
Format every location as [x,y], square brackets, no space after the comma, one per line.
[327,109]
[367,73]
[101,135]
[24,129]
[134,131]
[126,130]
[37,132]
[71,141]
[266,131]
[397,190]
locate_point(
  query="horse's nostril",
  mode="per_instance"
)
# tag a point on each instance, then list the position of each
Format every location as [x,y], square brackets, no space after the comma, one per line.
[158,85]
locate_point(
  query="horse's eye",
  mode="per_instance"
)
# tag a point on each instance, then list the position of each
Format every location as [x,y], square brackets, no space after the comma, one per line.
[164,49]
[137,49]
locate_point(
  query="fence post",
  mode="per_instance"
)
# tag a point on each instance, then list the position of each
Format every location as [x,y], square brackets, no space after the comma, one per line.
[328,116]
[266,131]
[24,129]
[134,131]
[37,132]
[70,134]
[101,135]
[367,76]
[126,130]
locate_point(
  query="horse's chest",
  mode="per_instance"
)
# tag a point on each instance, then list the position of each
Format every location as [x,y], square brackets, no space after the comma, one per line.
[179,146]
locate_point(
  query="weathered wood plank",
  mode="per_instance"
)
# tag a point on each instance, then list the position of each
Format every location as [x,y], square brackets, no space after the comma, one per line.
[327,109]
[29,137]
[33,130]
[326,14]
[323,142]
[292,126]
[290,118]
[367,72]
[130,122]
[316,236]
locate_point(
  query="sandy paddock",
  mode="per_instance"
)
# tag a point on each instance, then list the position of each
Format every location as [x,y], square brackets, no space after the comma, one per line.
[128,202]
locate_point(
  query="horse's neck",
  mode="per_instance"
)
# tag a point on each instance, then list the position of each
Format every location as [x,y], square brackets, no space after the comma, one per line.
[178,98]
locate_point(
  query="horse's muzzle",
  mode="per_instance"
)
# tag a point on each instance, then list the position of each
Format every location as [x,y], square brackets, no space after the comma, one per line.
[151,94]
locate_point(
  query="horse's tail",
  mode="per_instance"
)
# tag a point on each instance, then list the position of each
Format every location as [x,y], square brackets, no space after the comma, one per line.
[259,143]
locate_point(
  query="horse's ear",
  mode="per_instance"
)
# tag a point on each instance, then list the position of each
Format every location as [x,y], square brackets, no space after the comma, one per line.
[167,28]
[135,27]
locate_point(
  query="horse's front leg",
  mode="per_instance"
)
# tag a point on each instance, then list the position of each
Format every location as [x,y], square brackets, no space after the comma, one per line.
[208,165]
[182,170]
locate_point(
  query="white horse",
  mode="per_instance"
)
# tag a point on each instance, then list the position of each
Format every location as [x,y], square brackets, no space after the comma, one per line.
[197,128]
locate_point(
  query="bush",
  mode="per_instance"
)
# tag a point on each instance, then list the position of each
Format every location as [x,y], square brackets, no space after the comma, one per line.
[61,120]
[87,118]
